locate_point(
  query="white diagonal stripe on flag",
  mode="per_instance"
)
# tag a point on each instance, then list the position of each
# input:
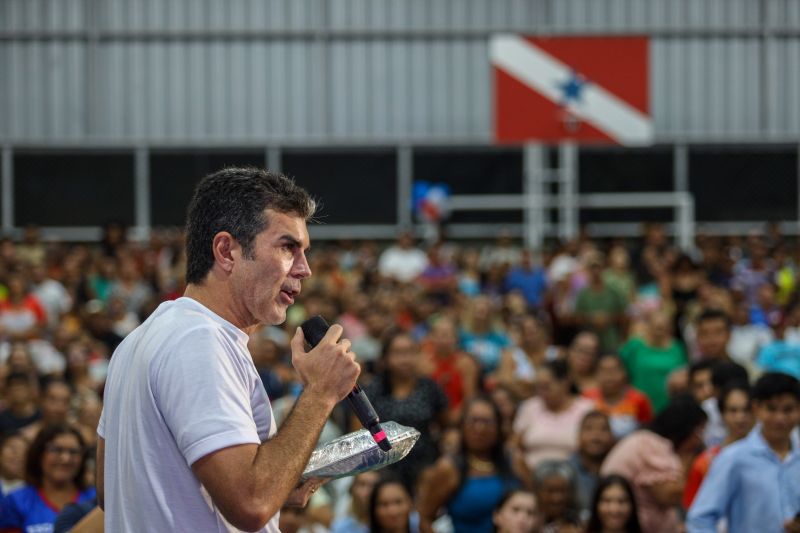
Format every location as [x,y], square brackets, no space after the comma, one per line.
[543,73]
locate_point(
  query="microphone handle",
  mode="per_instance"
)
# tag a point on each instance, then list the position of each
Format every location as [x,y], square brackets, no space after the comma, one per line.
[314,330]
[362,407]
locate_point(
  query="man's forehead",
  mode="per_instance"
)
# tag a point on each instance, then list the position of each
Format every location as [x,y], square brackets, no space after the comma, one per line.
[286,225]
[782,400]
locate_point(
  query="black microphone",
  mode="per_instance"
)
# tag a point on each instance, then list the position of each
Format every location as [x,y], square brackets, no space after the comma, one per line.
[314,330]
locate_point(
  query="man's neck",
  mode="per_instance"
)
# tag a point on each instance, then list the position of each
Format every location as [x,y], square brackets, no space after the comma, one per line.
[591,464]
[218,304]
[780,445]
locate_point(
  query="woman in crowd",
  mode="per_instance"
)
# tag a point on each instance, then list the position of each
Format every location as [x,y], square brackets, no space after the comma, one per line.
[582,358]
[653,458]
[650,359]
[555,485]
[614,507]
[531,350]
[546,426]
[54,474]
[455,371]
[13,448]
[507,402]
[357,518]
[483,336]
[401,394]
[470,484]
[626,407]
[618,275]
[738,418]
[391,509]
[516,513]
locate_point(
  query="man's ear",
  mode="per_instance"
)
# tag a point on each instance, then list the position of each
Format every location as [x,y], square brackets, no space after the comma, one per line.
[225,249]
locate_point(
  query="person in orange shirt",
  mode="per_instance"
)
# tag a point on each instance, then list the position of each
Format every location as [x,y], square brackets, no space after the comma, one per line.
[737,415]
[627,408]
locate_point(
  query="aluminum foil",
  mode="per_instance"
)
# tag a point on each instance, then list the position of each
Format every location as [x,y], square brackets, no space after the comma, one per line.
[357,452]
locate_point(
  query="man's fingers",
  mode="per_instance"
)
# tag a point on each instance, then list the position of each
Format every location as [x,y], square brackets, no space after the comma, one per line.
[333,334]
[298,341]
[345,343]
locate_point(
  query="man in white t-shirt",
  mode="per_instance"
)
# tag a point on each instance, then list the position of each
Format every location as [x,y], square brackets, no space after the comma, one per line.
[403,261]
[187,437]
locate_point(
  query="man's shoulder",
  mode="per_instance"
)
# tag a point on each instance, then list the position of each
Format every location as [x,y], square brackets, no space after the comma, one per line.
[23,497]
[736,452]
[181,321]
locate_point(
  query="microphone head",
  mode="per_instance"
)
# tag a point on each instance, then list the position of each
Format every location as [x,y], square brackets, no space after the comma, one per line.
[314,329]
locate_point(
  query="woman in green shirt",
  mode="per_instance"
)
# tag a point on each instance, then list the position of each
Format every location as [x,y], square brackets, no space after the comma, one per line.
[650,359]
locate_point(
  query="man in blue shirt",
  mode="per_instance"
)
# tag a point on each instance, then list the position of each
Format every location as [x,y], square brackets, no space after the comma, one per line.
[527,278]
[755,483]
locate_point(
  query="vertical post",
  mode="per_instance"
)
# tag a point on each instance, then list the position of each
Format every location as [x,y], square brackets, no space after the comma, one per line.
[533,160]
[567,191]
[273,157]
[685,230]
[7,188]
[798,189]
[405,179]
[141,192]
[680,180]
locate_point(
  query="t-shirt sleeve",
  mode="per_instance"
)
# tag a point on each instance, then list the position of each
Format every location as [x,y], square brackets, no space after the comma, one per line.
[713,500]
[525,417]
[658,463]
[203,392]
[10,514]
[101,425]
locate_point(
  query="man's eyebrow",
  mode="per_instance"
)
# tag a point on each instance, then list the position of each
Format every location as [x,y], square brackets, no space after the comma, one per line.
[292,240]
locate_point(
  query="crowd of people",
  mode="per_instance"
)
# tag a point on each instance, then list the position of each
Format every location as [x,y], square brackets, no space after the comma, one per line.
[600,386]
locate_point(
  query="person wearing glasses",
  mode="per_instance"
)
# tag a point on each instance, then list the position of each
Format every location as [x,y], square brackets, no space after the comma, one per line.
[469,484]
[54,472]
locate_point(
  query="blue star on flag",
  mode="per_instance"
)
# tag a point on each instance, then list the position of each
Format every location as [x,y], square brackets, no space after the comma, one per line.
[572,89]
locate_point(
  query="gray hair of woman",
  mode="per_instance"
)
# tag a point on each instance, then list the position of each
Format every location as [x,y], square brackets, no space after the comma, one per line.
[553,507]
[552,468]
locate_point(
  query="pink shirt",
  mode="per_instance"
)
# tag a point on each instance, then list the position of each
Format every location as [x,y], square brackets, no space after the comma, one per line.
[547,434]
[646,459]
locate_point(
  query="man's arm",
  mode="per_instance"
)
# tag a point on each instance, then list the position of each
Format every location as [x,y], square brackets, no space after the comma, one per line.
[713,498]
[99,472]
[249,483]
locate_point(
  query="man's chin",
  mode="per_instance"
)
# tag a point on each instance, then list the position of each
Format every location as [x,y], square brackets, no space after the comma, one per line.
[276,317]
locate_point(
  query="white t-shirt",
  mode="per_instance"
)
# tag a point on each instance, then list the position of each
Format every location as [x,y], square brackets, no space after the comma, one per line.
[403,264]
[180,386]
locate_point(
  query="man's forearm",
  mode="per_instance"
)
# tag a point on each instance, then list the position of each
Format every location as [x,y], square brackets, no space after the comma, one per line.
[280,461]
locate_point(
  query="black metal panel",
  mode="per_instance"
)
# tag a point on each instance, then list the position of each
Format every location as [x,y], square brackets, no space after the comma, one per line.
[73,189]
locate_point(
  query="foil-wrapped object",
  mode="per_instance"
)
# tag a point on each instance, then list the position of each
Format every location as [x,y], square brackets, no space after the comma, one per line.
[357,452]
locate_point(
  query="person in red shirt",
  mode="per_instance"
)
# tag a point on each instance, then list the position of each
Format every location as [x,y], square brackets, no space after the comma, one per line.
[737,415]
[626,407]
[22,316]
[455,371]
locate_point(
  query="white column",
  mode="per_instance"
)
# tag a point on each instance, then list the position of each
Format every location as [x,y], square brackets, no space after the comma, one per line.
[568,213]
[141,193]
[405,182]
[7,187]
[534,169]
